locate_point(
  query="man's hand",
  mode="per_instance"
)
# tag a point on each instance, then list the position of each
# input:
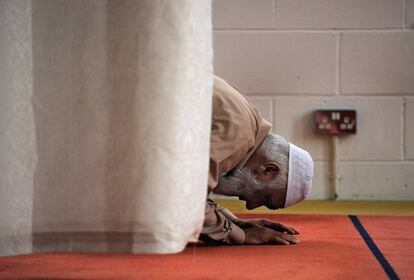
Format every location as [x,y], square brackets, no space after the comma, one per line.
[264,231]
[256,235]
[265,223]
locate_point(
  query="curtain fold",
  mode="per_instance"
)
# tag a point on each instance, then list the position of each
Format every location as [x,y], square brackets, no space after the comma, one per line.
[105,122]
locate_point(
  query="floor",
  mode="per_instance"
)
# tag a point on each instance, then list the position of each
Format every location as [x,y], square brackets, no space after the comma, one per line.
[339,240]
[329,207]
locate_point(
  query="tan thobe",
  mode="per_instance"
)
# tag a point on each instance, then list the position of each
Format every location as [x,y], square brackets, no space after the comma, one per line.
[237,131]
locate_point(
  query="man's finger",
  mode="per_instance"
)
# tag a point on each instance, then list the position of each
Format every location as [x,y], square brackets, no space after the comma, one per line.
[279,240]
[295,230]
[291,230]
[291,239]
[279,226]
[288,229]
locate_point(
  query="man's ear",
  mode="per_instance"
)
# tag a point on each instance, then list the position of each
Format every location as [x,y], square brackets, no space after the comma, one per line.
[267,171]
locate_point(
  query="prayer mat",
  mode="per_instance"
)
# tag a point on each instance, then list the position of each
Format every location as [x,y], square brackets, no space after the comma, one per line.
[331,247]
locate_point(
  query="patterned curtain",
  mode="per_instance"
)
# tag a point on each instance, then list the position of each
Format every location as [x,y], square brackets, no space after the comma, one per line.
[105,113]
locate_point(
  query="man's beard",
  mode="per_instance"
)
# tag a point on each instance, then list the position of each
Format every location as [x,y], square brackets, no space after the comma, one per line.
[240,182]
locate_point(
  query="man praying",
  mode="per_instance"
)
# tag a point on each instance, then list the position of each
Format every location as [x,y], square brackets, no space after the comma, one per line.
[259,167]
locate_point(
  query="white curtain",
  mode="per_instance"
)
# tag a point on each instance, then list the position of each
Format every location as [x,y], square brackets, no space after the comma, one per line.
[105,113]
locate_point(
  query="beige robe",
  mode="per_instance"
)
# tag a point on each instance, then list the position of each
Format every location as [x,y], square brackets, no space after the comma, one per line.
[237,131]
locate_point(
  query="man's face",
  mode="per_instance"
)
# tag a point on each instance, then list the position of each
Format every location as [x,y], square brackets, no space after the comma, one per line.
[255,192]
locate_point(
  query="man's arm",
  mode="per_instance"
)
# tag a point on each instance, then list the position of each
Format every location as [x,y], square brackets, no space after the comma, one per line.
[218,228]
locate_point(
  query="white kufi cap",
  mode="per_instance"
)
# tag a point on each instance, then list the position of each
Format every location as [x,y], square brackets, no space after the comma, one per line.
[300,175]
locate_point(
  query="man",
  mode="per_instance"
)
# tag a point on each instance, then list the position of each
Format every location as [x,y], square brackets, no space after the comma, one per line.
[259,167]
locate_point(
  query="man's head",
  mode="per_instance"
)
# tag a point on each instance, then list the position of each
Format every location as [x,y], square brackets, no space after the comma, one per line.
[277,175]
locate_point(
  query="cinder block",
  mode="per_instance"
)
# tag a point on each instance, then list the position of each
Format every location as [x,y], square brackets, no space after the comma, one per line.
[409,128]
[243,14]
[264,105]
[410,14]
[334,14]
[377,181]
[320,183]
[268,62]
[377,63]
[379,132]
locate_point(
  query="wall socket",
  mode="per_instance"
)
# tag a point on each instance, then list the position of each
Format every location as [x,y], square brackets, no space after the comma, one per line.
[335,122]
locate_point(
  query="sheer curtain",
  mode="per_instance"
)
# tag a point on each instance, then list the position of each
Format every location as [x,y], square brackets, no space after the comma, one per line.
[105,111]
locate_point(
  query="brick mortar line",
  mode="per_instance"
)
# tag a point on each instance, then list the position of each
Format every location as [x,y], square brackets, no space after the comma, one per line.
[327,95]
[404,14]
[395,162]
[323,31]
[338,64]
[403,125]
[273,114]
[274,13]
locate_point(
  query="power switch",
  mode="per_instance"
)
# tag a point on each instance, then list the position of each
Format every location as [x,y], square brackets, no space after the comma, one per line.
[335,122]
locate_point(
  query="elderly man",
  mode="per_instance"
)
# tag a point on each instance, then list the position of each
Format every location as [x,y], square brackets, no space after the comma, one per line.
[259,167]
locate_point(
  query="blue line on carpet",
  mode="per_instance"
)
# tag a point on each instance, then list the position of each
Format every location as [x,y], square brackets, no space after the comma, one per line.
[374,249]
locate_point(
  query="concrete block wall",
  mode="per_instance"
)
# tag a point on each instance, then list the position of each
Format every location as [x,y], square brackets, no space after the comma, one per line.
[292,57]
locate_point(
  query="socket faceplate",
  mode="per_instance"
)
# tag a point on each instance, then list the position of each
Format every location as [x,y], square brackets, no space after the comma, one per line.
[335,122]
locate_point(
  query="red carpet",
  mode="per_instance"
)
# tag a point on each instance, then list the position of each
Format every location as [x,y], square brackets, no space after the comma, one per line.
[331,248]
[395,237]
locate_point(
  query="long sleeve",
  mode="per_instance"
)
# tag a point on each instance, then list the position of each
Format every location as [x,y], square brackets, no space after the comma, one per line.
[237,130]
[226,212]
[219,228]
